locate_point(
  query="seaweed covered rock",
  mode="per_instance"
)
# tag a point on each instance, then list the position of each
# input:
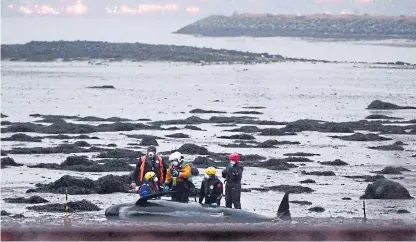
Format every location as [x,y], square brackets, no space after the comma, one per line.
[77,206]
[380,105]
[178,136]
[336,162]
[5,213]
[392,170]
[149,141]
[386,189]
[392,147]
[317,209]
[245,129]
[31,200]
[308,181]
[248,112]
[198,110]
[111,184]
[367,178]
[380,116]
[301,202]
[7,161]
[22,138]
[285,188]
[193,127]
[300,154]
[192,149]
[120,153]
[275,164]
[319,173]
[63,148]
[77,160]
[297,159]
[203,162]
[362,137]
[238,137]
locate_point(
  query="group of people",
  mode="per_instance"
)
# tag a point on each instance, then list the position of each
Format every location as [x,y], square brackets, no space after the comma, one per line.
[154,175]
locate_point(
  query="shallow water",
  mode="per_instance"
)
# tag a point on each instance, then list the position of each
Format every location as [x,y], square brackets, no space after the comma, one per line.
[160,91]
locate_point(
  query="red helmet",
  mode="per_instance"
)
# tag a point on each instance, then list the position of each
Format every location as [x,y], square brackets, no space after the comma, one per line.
[234,157]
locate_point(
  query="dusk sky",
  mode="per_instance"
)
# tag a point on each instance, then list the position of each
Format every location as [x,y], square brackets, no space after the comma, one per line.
[201,8]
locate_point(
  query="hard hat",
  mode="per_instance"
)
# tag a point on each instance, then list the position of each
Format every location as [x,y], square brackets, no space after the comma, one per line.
[234,157]
[149,175]
[175,156]
[210,171]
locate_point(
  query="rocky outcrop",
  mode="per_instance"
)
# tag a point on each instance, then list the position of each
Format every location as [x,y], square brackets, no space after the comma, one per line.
[248,112]
[301,202]
[120,153]
[380,105]
[336,162]
[204,162]
[319,173]
[192,127]
[102,87]
[362,137]
[198,110]
[392,170]
[77,147]
[301,154]
[393,147]
[285,188]
[367,178]
[238,137]
[22,138]
[73,207]
[7,161]
[386,189]
[308,181]
[380,116]
[274,164]
[31,200]
[178,136]
[192,149]
[315,26]
[317,209]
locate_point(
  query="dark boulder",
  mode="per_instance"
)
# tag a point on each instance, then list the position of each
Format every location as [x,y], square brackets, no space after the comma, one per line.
[5,213]
[308,181]
[31,200]
[204,162]
[143,136]
[198,110]
[193,127]
[336,162]
[102,87]
[82,143]
[346,198]
[77,206]
[317,209]
[275,164]
[120,153]
[297,159]
[251,157]
[22,138]
[380,105]
[386,189]
[238,137]
[285,188]
[245,129]
[362,137]
[392,170]
[367,178]
[402,211]
[380,116]
[393,147]
[112,145]
[319,173]
[275,132]
[46,165]
[303,203]
[273,143]
[3,115]
[254,107]
[149,141]
[77,160]
[192,149]
[301,154]
[247,112]
[7,161]
[178,136]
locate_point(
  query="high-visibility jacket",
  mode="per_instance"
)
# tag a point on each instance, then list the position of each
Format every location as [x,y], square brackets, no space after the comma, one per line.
[142,167]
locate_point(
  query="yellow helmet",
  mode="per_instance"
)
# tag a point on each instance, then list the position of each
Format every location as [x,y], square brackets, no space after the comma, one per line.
[210,171]
[149,175]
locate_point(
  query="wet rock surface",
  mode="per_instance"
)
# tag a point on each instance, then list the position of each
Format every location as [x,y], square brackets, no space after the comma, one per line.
[31,200]
[367,178]
[380,105]
[192,149]
[8,161]
[362,137]
[336,162]
[380,116]
[392,147]
[319,173]
[120,153]
[285,188]
[77,206]
[192,127]
[22,137]
[386,189]
[247,112]
[77,147]
[238,137]
[402,211]
[301,154]
[315,26]
[83,186]
[392,170]
[308,181]
[178,136]
[274,164]
[317,209]
[198,110]
[102,87]
[304,203]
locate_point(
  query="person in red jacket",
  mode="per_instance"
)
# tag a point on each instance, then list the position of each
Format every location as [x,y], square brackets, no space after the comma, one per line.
[233,175]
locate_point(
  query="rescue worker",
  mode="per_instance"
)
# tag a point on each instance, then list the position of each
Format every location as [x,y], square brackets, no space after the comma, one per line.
[178,178]
[211,188]
[233,174]
[150,185]
[149,162]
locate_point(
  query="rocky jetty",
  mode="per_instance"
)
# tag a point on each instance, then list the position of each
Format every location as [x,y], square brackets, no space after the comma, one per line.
[315,26]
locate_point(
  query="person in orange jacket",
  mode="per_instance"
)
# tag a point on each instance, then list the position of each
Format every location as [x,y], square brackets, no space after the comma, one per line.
[178,178]
[149,162]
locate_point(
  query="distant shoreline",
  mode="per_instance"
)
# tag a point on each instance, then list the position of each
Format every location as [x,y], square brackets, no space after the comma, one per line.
[320,26]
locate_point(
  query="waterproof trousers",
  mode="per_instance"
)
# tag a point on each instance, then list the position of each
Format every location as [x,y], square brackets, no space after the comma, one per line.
[232,195]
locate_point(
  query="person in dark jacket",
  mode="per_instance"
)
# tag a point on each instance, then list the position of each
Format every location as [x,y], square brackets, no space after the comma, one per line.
[211,188]
[147,163]
[233,175]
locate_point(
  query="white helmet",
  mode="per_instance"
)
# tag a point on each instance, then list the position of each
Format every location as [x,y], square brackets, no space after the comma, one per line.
[175,156]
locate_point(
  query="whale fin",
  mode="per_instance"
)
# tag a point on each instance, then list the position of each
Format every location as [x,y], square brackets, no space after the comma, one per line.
[283,213]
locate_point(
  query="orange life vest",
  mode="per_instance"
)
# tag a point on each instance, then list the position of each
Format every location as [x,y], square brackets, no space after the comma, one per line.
[143,160]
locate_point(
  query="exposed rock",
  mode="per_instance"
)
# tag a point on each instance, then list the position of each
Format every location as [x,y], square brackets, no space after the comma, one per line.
[336,162]
[388,147]
[63,148]
[401,211]
[178,136]
[380,116]
[77,160]
[112,145]
[64,136]
[22,138]
[120,153]
[198,110]
[7,161]
[46,166]
[143,136]
[380,105]
[5,122]
[392,170]
[245,129]
[275,164]
[3,116]
[5,213]
[192,149]
[285,188]
[193,127]
[297,159]
[251,157]
[301,154]
[275,132]
[317,209]
[82,143]
[367,178]
[254,107]
[103,87]
[97,119]
[385,189]
[247,112]
[82,186]
[19,215]
[319,173]
[362,137]
[308,181]
[149,141]
[346,198]
[77,206]
[264,145]
[301,202]
[3,153]
[32,200]
[238,137]
[204,162]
